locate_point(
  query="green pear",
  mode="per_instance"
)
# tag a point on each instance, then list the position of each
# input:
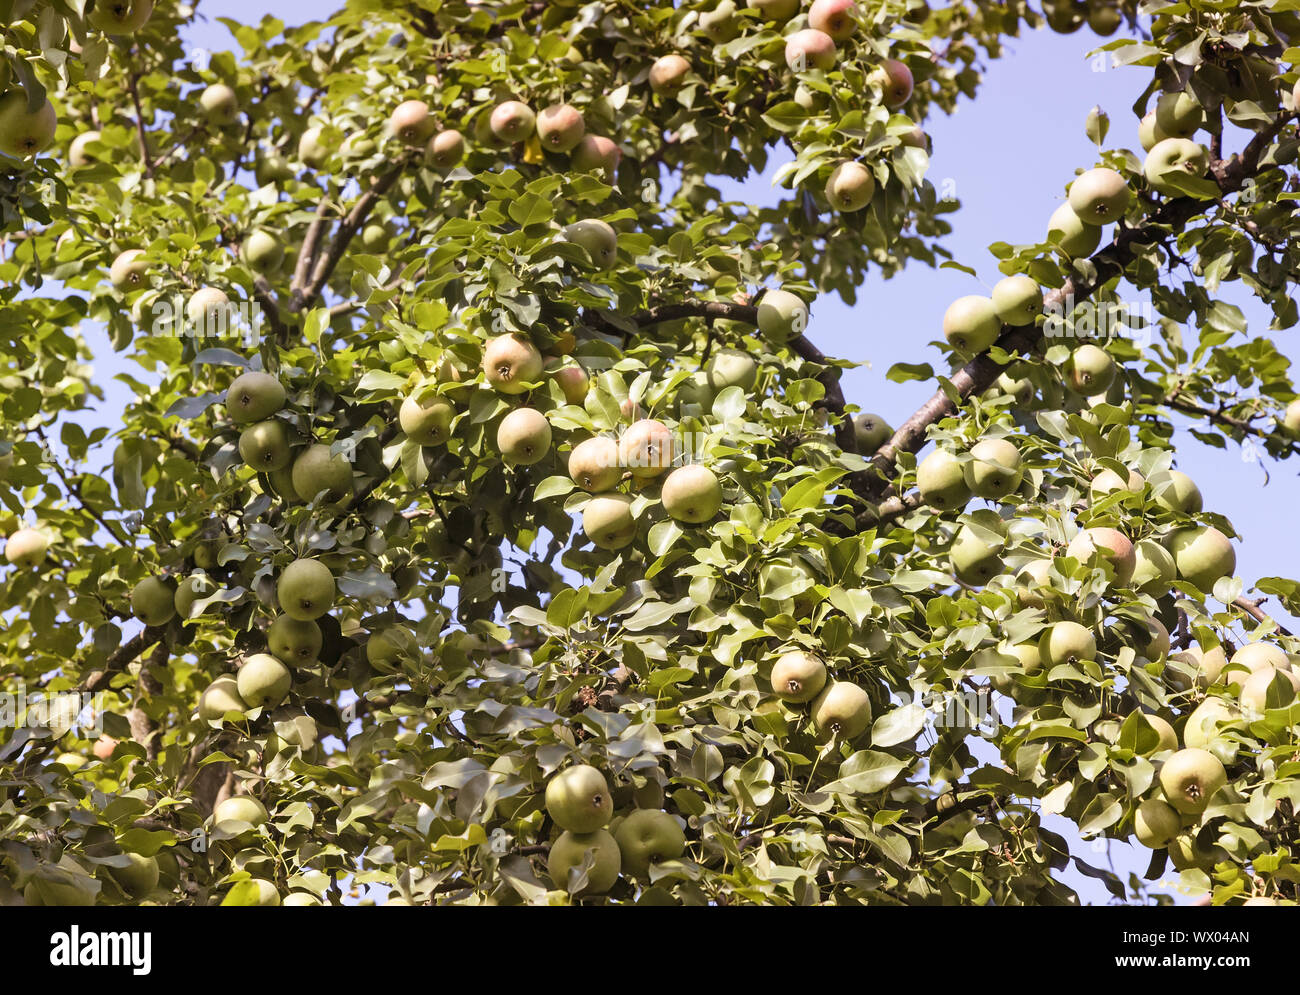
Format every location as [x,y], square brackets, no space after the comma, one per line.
[1066,642]
[1064,16]
[1291,418]
[1032,580]
[295,641]
[427,422]
[1256,657]
[24,132]
[1174,491]
[843,710]
[384,649]
[316,470]
[646,448]
[220,697]
[607,521]
[1168,739]
[594,464]
[1268,688]
[300,898]
[121,17]
[692,493]
[1190,778]
[153,601]
[971,324]
[569,851]
[578,799]
[1179,114]
[1069,233]
[195,587]
[263,680]
[219,105]
[1110,546]
[1208,664]
[1156,823]
[995,468]
[1104,18]
[774,10]
[942,481]
[26,548]
[732,368]
[306,589]
[240,808]
[1017,300]
[129,270]
[272,168]
[511,363]
[410,122]
[253,397]
[263,252]
[139,877]
[265,446]
[668,74]
[781,316]
[1150,134]
[1109,482]
[975,557]
[1089,370]
[1172,159]
[313,149]
[524,437]
[1201,727]
[850,186]
[598,238]
[1099,196]
[208,309]
[871,432]
[646,837]
[719,24]
[445,149]
[512,121]
[560,128]
[798,677]
[1202,555]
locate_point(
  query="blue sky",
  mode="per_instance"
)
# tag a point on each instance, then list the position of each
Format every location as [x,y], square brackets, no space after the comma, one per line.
[1007,157]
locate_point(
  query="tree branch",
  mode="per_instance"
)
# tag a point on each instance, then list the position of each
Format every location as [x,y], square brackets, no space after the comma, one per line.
[1252,609]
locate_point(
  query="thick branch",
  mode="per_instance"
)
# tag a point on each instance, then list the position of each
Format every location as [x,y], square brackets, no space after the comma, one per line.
[307,255]
[132,86]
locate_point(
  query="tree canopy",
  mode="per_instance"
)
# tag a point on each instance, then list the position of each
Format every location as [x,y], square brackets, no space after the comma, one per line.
[489,526]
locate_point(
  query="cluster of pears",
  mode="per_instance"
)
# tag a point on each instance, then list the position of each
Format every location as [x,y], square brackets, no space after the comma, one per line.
[579,801]
[1067,16]
[838,709]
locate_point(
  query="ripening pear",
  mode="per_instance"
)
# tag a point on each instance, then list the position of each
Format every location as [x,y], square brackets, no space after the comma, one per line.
[24,132]
[1108,482]
[220,697]
[668,74]
[994,470]
[1089,370]
[971,324]
[560,128]
[1179,114]
[512,121]
[781,316]
[263,680]
[411,123]
[572,380]
[607,521]
[895,81]
[732,368]
[1172,159]
[809,49]
[1256,657]
[253,397]
[524,437]
[129,270]
[1190,778]
[570,850]
[1173,490]
[240,808]
[598,238]
[838,18]
[871,432]
[1201,727]
[294,641]
[594,464]
[798,676]
[306,589]
[942,481]
[1112,548]
[646,837]
[843,710]
[121,17]
[975,557]
[220,105]
[1099,196]
[265,446]
[26,548]
[647,448]
[1017,300]
[445,149]
[692,493]
[1202,555]
[595,153]
[578,799]
[427,422]
[511,363]
[1066,642]
[850,187]
[207,308]
[153,601]
[1268,688]
[1156,823]
[1069,233]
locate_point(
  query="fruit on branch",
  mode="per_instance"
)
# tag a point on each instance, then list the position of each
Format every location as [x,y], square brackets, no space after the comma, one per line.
[265,446]
[646,448]
[263,680]
[129,270]
[220,697]
[1111,546]
[871,432]
[646,837]
[838,18]
[1201,727]
[24,132]
[511,362]
[293,640]
[1104,17]
[578,799]
[1291,417]
[1268,688]
[428,422]
[240,808]
[560,127]
[1066,642]
[915,138]
[1172,159]
[1153,639]
[971,324]
[1208,664]
[207,309]
[774,10]
[265,894]
[994,470]
[719,24]
[272,168]
[850,187]
[1109,482]
[219,105]
[524,437]
[1070,234]
[263,252]
[1190,778]
[316,470]
[376,237]
[668,74]
[1032,580]
[1030,663]
[976,554]
[306,589]
[410,122]
[781,316]
[121,17]
[1099,196]
[594,464]
[1017,300]
[445,149]
[942,481]
[1065,16]
[302,898]
[809,49]
[1150,134]
[607,521]
[1089,370]
[1188,852]
[798,677]
[104,747]
[692,494]
[1166,739]
[512,121]
[594,153]
[78,154]
[1174,491]
[895,81]
[1202,555]
[140,875]
[26,548]
[570,851]
[190,590]
[313,150]
[731,368]
[843,710]
[1256,657]
[598,238]
[153,601]
[254,397]
[1156,823]
[1179,114]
